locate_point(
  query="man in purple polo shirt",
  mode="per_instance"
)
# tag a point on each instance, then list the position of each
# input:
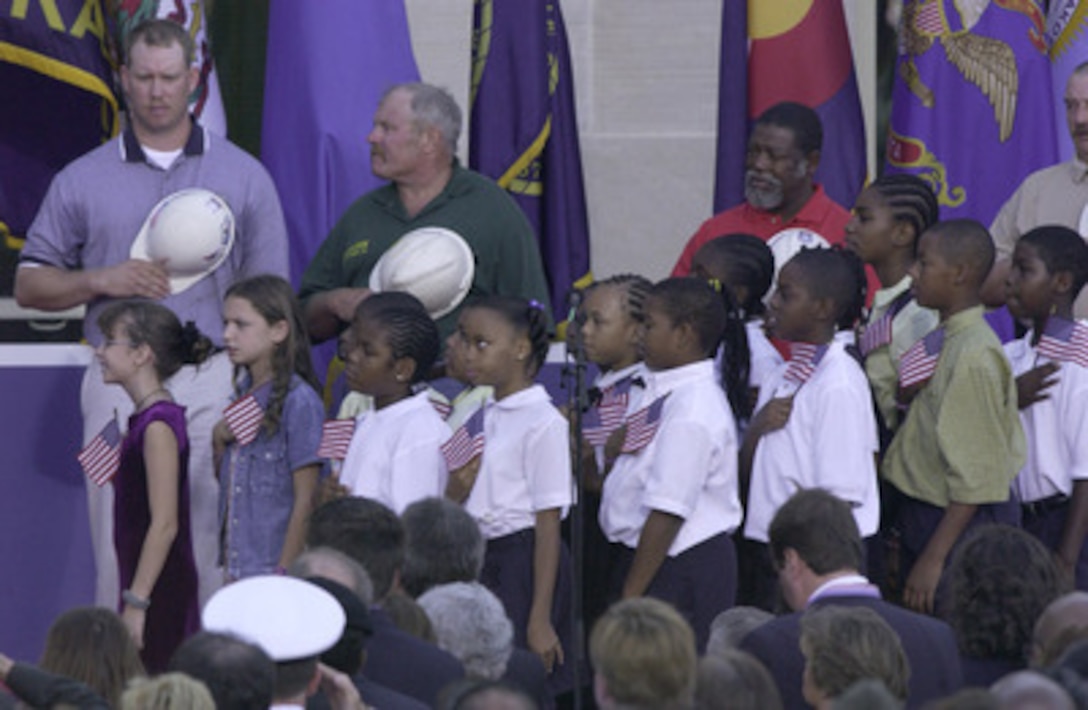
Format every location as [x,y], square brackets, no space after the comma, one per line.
[77,253]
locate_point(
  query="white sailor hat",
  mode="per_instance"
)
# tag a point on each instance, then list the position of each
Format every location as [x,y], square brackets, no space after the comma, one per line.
[434,264]
[190,232]
[289,618]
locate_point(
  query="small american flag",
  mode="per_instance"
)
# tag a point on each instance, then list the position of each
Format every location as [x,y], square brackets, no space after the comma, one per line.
[608,413]
[920,361]
[804,357]
[102,456]
[928,19]
[466,443]
[335,438]
[642,426]
[878,333]
[1064,341]
[443,408]
[244,418]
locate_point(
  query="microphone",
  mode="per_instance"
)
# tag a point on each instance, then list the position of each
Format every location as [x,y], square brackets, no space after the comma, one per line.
[574,323]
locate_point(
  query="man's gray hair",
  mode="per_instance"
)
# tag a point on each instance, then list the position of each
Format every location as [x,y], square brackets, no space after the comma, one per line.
[442,544]
[336,566]
[471,624]
[433,106]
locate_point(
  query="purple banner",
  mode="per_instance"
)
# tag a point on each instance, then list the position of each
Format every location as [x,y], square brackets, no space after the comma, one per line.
[56,90]
[328,64]
[524,131]
[974,139]
[732,107]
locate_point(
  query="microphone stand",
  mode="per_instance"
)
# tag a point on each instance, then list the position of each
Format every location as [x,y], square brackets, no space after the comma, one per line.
[576,368]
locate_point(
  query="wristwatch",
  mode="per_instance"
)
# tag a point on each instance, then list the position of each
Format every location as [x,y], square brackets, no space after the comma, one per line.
[130,598]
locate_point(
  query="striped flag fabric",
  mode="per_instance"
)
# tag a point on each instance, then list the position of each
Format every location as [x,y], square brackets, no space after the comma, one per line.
[920,361]
[336,438]
[877,334]
[609,412]
[443,408]
[466,443]
[101,457]
[1064,341]
[642,426]
[594,430]
[244,418]
[804,358]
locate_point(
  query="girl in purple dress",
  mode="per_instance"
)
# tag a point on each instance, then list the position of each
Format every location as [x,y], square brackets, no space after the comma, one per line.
[144,345]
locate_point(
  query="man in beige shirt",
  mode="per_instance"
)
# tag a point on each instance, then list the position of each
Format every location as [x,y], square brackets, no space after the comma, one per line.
[1054,195]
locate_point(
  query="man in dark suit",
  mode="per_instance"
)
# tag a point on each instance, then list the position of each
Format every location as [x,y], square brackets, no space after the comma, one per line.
[372,535]
[817,549]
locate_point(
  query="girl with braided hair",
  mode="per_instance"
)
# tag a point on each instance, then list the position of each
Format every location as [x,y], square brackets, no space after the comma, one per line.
[519,487]
[887,221]
[395,454]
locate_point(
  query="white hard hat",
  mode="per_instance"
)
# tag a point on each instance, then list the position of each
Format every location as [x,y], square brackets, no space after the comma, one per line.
[434,264]
[190,232]
[785,245]
[289,618]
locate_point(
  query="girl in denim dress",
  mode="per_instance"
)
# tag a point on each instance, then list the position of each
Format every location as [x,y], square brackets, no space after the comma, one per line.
[267,477]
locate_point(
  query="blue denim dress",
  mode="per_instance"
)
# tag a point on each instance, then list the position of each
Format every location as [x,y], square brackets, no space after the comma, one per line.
[256,485]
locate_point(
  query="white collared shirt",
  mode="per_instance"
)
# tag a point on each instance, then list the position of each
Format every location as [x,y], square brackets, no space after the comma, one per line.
[526,463]
[829,442]
[395,456]
[1055,427]
[689,468]
[846,582]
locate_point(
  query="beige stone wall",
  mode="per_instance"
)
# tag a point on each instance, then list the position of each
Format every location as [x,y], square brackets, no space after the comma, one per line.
[646,75]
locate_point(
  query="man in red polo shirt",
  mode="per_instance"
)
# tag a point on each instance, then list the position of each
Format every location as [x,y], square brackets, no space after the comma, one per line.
[783,153]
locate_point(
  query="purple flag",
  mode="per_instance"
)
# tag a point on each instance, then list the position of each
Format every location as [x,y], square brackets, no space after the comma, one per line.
[524,132]
[57,98]
[328,64]
[971,107]
[732,107]
[807,60]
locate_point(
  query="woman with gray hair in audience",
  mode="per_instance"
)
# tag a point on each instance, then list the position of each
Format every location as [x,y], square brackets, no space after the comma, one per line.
[471,624]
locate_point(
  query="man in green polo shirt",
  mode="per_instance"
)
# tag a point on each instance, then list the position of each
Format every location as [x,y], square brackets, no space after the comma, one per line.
[413,146]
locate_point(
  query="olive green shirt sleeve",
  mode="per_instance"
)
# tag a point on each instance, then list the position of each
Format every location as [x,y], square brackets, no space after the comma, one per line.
[961,440]
[978,429]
